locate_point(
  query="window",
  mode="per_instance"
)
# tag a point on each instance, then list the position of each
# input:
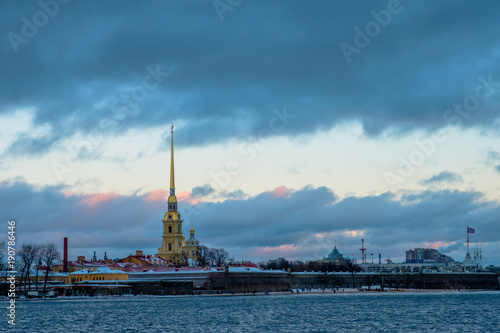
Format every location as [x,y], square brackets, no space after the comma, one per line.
[170,229]
[179,229]
[170,246]
[169,217]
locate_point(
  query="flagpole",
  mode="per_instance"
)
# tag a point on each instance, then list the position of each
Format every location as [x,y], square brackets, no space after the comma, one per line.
[467,239]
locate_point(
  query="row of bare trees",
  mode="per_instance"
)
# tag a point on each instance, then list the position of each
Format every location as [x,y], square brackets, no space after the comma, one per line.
[3,251]
[30,257]
[344,265]
[212,256]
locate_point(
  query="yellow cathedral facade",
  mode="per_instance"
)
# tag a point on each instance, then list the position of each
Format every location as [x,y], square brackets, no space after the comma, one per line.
[174,247]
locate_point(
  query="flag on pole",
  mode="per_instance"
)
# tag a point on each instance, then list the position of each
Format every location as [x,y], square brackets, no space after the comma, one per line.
[470,230]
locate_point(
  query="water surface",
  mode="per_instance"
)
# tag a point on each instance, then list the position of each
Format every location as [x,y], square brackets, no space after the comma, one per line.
[361,312]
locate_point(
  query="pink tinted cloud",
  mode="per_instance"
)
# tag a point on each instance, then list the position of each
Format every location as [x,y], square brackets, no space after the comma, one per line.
[281,250]
[437,245]
[162,195]
[157,195]
[93,200]
[280,192]
[186,197]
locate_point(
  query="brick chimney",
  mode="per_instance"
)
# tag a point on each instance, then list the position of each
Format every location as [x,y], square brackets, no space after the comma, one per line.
[65,255]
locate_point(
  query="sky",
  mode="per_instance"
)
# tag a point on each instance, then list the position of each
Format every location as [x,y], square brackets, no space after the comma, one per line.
[299,125]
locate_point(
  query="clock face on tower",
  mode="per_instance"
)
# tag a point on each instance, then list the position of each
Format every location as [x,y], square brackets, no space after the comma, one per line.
[172,191]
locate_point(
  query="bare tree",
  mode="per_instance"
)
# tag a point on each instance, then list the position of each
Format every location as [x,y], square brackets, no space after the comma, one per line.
[234,262]
[220,257]
[28,254]
[352,267]
[50,255]
[178,259]
[38,264]
[3,248]
[279,263]
[196,255]
[212,256]
[203,253]
[3,261]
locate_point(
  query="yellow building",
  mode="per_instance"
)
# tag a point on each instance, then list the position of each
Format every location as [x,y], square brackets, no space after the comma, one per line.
[192,246]
[172,247]
[72,267]
[97,274]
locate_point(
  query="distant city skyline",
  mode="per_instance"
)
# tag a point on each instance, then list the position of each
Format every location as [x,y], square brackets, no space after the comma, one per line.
[322,122]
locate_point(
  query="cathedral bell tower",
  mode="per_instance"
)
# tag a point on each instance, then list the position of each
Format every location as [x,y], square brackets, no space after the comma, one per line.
[173,238]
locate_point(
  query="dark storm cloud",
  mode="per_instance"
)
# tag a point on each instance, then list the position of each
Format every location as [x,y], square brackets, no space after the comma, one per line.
[202,191]
[452,247]
[237,194]
[47,214]
[444,176]
[493,156]
[418,218]
[25,144]
[122,224]
[140,64]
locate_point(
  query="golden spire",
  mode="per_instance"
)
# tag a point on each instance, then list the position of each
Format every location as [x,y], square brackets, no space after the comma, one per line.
[172,179]
[172,199]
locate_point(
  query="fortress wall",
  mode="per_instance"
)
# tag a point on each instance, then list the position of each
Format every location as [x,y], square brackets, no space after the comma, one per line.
[250,282]
[162,287]
[262,282]
[397,280]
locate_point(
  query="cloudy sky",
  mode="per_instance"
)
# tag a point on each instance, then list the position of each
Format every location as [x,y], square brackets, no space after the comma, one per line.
[298,124]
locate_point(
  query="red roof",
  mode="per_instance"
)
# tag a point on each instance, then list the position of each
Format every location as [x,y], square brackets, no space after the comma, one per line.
[250,264]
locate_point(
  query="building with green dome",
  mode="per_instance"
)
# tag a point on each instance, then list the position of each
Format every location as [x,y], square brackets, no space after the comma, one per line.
[335,255]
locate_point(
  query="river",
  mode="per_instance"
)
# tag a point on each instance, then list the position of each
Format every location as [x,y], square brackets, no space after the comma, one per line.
[356,312]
